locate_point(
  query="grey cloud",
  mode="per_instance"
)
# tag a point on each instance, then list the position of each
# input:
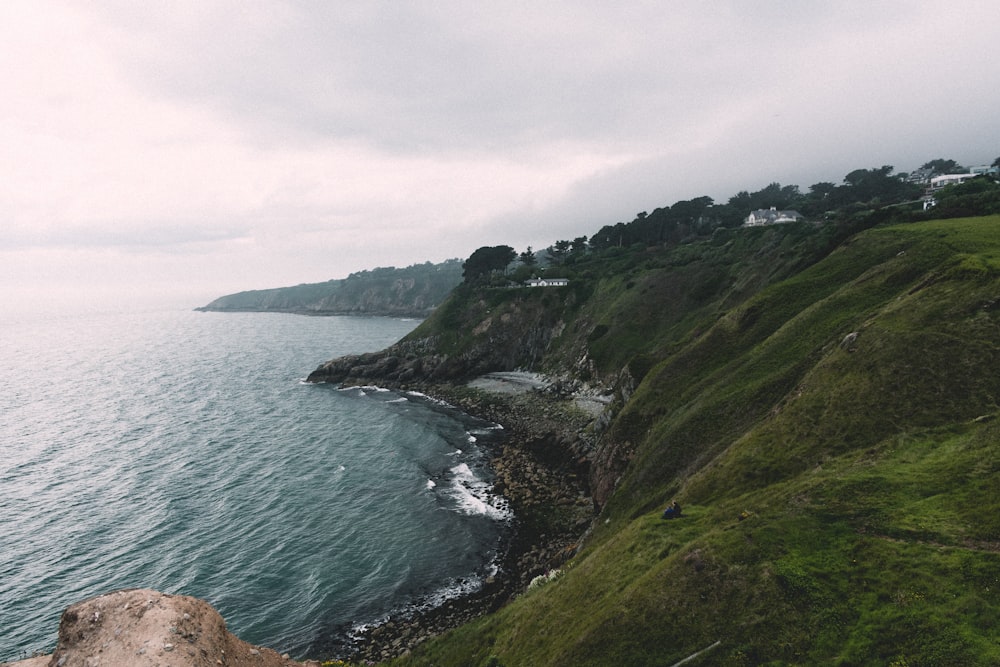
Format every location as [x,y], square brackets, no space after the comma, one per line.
[453,76]
[682,99]
[145,235]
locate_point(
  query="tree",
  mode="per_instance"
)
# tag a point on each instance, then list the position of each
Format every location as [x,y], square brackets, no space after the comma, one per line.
[821,197]
[558,251]
[860,178]
[878,185]
[774,194]
[611,236]
[973,186]
[977,196]
[942,166]
[486,261]
[821,190]
[528,257]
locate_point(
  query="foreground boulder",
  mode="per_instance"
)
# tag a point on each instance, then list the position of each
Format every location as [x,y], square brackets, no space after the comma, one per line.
[142,627]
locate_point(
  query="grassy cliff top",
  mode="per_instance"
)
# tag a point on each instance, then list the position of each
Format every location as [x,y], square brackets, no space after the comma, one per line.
[825,414]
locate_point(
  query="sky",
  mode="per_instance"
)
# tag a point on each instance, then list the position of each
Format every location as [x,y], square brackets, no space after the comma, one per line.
[175,152]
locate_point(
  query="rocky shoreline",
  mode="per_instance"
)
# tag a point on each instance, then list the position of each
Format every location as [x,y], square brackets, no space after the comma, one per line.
[541,468]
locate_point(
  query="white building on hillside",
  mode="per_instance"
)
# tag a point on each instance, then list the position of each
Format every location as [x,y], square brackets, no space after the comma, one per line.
[939,182]
[771,216]
[547,282]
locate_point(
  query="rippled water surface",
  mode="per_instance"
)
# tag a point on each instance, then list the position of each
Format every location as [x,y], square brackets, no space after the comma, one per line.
[181,451]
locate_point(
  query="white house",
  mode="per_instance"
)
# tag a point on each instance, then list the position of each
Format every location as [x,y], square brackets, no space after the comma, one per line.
[771,216]
[547,282]
[939,182]
[985,170]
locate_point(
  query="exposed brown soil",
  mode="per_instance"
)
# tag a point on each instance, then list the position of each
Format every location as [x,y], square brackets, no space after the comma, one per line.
[146,628]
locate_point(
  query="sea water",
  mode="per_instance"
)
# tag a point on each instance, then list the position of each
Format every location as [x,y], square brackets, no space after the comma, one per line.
[183,451]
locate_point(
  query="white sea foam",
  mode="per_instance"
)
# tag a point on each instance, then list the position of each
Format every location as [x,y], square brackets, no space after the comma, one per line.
[429,399]
[473,496]
[455,588]
[431,484]
[312,575]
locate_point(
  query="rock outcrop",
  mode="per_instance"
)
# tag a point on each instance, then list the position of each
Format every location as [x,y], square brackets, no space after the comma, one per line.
[541,469]
[142,627]
[474,334]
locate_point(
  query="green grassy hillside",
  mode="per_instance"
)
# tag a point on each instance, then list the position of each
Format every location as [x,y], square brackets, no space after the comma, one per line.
[623,307]
[828,422]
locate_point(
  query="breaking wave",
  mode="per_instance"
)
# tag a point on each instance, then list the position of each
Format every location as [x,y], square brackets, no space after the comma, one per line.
[295,509]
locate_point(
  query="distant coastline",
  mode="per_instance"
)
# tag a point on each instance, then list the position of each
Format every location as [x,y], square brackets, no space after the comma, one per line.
[414,291]
[409,314]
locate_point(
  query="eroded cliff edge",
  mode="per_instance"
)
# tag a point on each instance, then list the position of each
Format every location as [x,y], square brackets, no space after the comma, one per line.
[573,438]
[477,333]
[543,468]
[143,628]
[550,463]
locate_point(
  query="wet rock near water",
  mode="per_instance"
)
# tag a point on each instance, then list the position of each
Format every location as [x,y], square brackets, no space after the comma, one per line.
[542,469]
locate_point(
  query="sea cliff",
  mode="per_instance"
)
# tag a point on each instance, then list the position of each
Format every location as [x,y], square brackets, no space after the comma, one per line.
[541,468]
[821,403]
[549,462]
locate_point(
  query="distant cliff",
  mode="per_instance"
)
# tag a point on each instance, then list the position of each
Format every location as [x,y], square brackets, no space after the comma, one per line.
[414,291]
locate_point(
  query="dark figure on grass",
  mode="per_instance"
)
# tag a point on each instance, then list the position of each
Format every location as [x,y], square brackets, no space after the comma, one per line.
[673,511]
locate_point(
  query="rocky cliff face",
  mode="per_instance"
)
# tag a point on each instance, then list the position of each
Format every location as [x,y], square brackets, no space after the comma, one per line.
[143,628]
[516,336]
[496,332]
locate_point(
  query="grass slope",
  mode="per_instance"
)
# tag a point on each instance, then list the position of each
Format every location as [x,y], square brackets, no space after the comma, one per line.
[833,440]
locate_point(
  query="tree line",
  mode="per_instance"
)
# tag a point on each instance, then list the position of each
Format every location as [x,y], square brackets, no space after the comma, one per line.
[865,195]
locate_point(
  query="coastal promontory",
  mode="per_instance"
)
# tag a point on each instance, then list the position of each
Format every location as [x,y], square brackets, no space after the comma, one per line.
[413,291]
[147,628]
[819,398]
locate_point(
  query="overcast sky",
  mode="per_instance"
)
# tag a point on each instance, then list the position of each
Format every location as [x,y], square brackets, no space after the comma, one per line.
[187,149]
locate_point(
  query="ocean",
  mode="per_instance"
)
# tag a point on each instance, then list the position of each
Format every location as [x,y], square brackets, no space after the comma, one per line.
[182,451]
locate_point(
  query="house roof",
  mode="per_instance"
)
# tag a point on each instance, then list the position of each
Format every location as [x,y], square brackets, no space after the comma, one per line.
[773,214]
